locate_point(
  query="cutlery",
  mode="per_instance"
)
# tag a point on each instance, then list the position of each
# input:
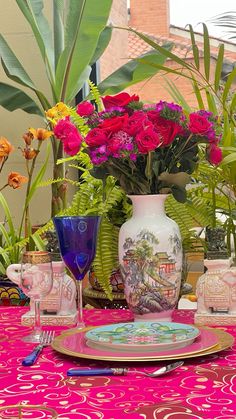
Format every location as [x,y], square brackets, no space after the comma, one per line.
[82,372]
[45,340]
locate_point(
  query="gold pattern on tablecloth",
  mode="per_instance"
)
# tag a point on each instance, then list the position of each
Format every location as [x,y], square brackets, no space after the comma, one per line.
[19,410]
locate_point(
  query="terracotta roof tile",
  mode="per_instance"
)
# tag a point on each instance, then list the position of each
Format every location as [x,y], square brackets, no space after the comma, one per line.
[182,48]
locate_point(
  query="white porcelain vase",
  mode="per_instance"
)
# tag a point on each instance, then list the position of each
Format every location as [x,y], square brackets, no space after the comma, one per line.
[150,256]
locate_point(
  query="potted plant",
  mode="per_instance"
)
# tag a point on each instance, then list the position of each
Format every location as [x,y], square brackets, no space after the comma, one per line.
[68,54]
[214,193]
[13,238]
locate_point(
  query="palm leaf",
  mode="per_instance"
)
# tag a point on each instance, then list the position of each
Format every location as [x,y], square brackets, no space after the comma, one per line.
[12,66]
[12,98]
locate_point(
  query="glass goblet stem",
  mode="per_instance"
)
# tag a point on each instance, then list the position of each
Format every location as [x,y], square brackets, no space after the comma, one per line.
[80,318]
[37,320]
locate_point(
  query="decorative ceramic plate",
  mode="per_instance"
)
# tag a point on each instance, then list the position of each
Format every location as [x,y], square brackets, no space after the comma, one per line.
[140,336]
[210,341]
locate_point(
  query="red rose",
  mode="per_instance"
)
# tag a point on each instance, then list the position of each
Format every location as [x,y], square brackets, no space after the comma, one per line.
[96,137]
[85,109]
[122,99]
[147,140]
[135,123]
[168,130]
[199,124]
[214,154]
[154,116]
[114,124]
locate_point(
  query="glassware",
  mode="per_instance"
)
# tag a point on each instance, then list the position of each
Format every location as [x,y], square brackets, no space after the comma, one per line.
[77,237]
[36,282]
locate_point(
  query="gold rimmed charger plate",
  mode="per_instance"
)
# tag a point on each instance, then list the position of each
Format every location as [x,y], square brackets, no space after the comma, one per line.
[225,341]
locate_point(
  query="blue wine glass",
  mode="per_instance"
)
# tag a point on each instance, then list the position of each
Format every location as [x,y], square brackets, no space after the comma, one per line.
[77,236]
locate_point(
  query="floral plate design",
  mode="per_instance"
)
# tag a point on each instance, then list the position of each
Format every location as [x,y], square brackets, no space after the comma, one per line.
[73,343]
[140,336]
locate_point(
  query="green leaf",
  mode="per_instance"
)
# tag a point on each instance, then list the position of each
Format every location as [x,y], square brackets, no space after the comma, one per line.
[177,95]
[162,49]
[194,47]
[58,29]
[228,84]
[179,193]
[219,64]
[12,66]
[32,10]
[12,98]
[207,55]
[229,159]
[198,95]
[211,102]
[38,241]
[85,22]
[102,44]
[38,177]
[104,262]
[6,209]
[130,73]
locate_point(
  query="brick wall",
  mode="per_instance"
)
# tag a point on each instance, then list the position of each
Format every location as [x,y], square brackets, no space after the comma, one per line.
[116,53]
[156,88]
[150,16]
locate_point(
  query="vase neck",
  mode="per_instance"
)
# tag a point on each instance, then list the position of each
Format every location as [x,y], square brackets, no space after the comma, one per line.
[151,205]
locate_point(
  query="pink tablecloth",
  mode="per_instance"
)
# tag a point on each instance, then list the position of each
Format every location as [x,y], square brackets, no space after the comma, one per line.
[203,387]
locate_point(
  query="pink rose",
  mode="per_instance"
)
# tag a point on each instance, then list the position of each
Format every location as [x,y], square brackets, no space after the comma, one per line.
[214,154]
[85,109]
[96,137]
[199,124]
[64,127]
[122,99]
[147,140]
[72,143]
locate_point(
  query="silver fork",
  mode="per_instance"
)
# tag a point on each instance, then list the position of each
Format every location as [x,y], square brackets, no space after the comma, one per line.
[45,340]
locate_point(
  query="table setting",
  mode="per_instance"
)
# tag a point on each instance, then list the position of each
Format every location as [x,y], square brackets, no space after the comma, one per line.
[109,363]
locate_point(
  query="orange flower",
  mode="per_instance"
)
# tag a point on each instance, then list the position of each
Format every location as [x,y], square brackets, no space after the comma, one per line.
[28,137]
[5,148]
[29,153]
[40,134]
[15,180]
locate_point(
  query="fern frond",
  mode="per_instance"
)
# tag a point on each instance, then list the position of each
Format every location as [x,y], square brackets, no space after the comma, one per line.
[79,122]
[106,258]
[59,180]
[95,94]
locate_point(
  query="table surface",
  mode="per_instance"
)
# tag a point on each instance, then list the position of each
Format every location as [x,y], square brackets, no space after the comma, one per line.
[203,387]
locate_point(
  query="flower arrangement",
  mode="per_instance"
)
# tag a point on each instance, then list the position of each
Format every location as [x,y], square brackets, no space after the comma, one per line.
[12,236]
[148,148]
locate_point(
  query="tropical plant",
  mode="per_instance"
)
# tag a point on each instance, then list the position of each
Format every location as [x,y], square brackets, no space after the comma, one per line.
[226,20]
[215,192]
[95,197]
[69,47]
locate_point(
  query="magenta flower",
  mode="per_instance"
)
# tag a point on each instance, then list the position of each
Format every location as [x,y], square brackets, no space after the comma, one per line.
[85,109]
[214,154]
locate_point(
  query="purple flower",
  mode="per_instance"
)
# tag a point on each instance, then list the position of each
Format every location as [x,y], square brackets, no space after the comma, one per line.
[160,106]
[98,155]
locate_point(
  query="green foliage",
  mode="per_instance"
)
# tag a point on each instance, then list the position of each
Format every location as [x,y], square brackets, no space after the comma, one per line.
[96,96]
[98,198]
[214,191]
